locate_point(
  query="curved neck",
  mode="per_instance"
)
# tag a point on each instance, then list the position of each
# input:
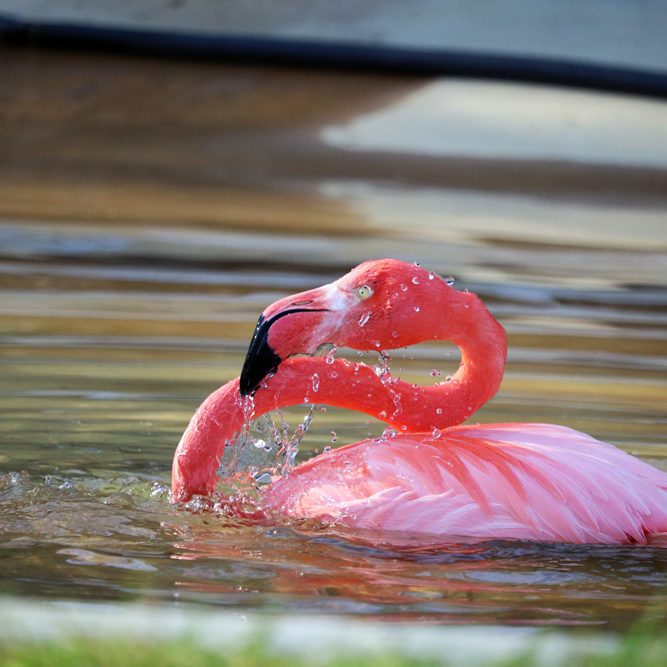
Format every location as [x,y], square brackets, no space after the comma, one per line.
[404,406]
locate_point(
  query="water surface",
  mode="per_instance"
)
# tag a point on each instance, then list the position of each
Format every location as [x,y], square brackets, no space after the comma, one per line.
[129,289]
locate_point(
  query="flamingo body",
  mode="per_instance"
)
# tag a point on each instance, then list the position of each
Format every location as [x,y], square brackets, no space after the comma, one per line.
[523,481]
[518,481]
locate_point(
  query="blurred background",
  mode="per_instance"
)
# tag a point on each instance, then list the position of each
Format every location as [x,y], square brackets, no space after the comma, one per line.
[169,168]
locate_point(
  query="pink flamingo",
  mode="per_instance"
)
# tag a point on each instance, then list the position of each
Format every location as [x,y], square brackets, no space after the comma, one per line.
[435,477]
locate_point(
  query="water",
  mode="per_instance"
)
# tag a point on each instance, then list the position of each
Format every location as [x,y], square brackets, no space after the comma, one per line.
[114,328]
[98,382]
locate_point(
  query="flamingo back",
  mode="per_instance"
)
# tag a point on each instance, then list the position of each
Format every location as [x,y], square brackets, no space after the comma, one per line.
[522,481]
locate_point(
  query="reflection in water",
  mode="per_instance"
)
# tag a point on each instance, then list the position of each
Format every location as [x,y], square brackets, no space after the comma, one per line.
[488,582]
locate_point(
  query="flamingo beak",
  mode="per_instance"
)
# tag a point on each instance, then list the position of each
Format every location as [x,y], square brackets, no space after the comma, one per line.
[281,333]
[261,358]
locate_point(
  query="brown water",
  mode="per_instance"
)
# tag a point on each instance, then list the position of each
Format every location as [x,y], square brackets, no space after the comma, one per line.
[131,276]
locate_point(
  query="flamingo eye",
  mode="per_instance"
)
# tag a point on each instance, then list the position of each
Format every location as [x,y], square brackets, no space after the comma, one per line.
[364,292]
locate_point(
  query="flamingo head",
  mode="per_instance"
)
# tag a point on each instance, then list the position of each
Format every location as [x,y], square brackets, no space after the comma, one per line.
[380,304]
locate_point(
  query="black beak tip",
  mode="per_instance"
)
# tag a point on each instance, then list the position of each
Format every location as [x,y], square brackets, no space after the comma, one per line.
[260,360]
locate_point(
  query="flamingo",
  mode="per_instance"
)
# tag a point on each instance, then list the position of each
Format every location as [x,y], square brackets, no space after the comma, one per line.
[436,477]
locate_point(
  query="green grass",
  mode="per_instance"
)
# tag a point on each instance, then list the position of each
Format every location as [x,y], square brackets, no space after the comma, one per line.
[86,653]
[645,645]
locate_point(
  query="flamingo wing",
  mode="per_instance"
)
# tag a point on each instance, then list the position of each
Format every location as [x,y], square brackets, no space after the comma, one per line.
[523,481]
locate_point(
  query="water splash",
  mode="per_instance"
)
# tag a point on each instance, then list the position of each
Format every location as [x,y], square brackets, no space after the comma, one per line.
[289,450]
[230,461]
[275,446]
[383,372]
[382,369]
[263,449]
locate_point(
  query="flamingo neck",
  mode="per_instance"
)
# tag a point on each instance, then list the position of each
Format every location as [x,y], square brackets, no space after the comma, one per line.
[483,344]
[341,383]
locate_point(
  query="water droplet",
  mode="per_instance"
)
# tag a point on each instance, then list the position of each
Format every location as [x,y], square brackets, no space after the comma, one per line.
[316,382]
[394,334]
[438,411]
[404,428]
[431,275]
[436,373]
[448,378]
[436,433]
[327,449]
[466,305]
[334,437]
[364,318]
[418,263]
[377,441]
[377,343]
[323,408]
[449,280]
[404,287]
[331,354]
[389,432]
[382,414]
[415,281]
[263,478]
[259,443]
[333,375]
[417,309]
